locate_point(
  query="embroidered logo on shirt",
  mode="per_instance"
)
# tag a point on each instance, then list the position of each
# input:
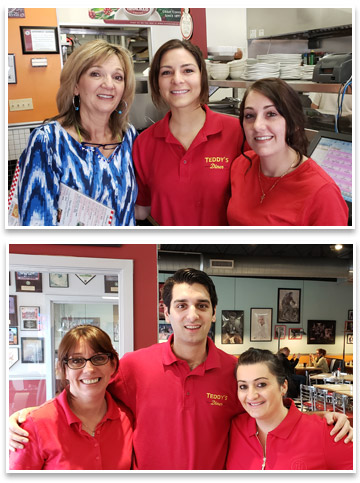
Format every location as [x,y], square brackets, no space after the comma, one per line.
[216,399]
[216,162]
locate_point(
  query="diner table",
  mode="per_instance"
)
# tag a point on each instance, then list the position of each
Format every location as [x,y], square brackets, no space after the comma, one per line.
[300,369]
[346,389]
[332,379]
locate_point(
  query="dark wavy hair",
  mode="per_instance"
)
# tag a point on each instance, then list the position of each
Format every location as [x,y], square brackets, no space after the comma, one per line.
[155,70]
[255,356]
[189,276]
[288,104]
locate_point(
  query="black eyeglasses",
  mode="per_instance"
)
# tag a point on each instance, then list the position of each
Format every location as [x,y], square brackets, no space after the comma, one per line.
[104,146]
[80,362]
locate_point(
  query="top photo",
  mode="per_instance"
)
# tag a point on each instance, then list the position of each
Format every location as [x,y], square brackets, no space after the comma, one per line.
[144,118]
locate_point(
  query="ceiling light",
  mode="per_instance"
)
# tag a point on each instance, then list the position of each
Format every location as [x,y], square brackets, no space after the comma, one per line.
[338,247]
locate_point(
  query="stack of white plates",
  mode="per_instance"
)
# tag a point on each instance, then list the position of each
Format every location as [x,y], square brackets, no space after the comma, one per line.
[219,71]
[237,69]
[289,64]
[260,70]
[307,72]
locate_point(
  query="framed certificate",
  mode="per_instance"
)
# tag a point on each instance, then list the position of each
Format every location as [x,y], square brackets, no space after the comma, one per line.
[29,318]
[39,40]
[59,280]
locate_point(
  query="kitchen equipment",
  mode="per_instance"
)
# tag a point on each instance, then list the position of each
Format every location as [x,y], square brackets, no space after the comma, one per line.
[333,68]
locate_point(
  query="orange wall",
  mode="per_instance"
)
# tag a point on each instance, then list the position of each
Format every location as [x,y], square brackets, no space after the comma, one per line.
[39,83]
[145,278]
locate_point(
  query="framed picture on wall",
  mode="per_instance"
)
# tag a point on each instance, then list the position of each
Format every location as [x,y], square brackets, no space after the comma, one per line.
[295,334]
[350,314]
[28,281]
[349,325]
[321,332]
[165,330]
[39,40]
[32,350]
[11,69]
[58,280]
[29,318]
[349,338]
[13,321]
[13,356]
[289,305]
[232,327]
[13,336]
[280,332]
[260,325]
[161,302]
[111,283]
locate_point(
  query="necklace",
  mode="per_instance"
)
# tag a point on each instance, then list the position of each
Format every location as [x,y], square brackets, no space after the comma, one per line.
[89,430]
[273,186]
[98,145]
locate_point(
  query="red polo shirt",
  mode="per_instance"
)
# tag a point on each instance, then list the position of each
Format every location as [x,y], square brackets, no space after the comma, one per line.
[305,197]
[300,442]
[187,188]
[182,417]
[57,441]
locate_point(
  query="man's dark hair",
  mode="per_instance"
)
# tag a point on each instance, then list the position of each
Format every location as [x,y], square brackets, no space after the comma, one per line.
[189,276]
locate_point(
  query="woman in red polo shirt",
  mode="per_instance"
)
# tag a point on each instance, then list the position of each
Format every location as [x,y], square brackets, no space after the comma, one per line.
[273,434]
[183,161]
[275,184]
[82,428]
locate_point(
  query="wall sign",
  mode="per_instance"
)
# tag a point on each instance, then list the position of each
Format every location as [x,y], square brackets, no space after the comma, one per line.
[39,40]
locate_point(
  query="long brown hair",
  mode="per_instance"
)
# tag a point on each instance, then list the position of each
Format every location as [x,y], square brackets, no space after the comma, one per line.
[288,104]
[77,64]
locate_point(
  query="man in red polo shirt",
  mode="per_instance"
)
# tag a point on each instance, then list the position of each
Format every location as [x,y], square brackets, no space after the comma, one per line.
[182,392]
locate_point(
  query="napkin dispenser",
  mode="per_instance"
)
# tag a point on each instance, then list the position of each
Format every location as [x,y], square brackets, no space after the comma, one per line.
[333,68]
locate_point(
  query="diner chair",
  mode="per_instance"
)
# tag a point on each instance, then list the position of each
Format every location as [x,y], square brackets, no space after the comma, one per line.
[323,400]
[343,404]
[307,397]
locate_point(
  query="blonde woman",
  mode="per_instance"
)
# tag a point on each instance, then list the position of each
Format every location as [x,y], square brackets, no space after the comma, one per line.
[87,146]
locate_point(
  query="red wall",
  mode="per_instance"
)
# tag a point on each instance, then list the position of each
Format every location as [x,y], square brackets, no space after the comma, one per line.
[145,278]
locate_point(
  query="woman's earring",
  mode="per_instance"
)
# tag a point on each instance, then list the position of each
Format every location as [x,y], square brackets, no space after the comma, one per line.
[119,111]
[76,102]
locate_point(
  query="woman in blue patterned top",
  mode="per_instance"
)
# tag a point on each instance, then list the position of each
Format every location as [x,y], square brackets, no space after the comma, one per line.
[87,146]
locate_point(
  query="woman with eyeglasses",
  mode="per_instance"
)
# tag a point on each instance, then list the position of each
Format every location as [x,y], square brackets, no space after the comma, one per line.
[86,148]
[82,428]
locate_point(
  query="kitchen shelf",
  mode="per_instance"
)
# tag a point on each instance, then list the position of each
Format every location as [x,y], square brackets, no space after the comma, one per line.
[300,86]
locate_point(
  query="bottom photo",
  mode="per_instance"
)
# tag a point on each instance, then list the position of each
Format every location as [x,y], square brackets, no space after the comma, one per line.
[181,358]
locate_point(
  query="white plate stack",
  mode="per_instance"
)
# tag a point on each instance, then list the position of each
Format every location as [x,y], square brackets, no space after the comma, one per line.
[219,71]
[260,70]
[290,64]
[237,68]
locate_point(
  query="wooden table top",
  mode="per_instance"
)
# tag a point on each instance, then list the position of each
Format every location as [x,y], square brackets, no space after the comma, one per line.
[346,389]
[323,375]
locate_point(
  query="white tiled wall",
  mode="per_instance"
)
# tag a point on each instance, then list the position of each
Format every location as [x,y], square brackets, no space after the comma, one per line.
[17,142]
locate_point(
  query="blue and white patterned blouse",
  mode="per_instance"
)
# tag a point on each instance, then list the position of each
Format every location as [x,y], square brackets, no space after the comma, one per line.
[53,157]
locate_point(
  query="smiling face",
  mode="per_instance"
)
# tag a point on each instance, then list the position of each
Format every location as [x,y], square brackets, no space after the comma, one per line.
[190,315]
[101,87]
[91,381]
[260,393]
[265,128]
[179,79]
